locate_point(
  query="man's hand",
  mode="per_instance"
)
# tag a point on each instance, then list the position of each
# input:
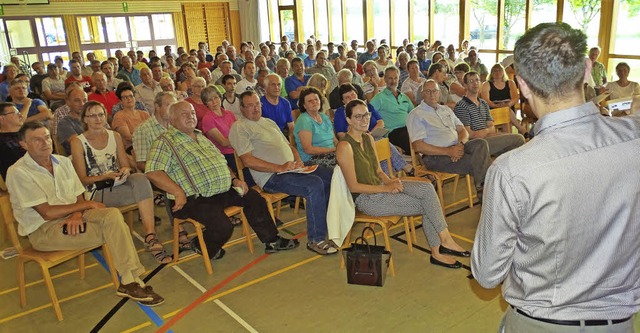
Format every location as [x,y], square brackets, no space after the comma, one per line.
[291,165]
[74,224]
[394,186]
[89,204]
[456,152]
[481,133]
[240,183]
[179,201]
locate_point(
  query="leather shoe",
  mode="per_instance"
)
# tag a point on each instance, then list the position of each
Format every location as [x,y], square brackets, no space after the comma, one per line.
[435,261]
[445,250]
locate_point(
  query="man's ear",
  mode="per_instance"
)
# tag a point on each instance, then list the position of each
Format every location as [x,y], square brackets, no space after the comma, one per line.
[524,87]
[23,144]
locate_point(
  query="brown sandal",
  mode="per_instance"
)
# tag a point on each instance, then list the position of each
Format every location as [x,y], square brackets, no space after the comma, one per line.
[153,245]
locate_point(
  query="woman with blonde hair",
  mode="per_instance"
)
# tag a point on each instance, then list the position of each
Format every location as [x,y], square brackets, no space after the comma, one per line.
[321,83]
[500,92]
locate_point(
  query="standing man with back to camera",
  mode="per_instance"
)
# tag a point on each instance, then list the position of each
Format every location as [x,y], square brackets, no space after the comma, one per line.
[560,233]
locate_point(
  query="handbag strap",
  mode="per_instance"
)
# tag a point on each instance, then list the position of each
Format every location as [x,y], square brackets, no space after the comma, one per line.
[375,240]
[166,140]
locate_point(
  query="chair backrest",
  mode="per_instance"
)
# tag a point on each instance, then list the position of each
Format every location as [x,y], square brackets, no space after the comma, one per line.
[502,118]
[9,221]
[383,149]
[415,158]
[3,186]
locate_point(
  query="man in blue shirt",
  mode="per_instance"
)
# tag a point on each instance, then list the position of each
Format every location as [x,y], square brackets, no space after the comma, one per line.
[275,107]
[130,72]
[296,82]
[371,53]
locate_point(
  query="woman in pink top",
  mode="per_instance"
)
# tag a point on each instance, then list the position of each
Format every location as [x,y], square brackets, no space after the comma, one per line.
[127,120]
[195,99]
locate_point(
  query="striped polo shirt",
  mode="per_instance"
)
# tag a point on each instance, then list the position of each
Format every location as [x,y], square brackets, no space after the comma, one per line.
[472,115]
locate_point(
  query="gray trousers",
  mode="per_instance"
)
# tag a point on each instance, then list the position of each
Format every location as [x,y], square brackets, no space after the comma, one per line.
[502,143]
[418,198]
[104,225]
[135,189]
[476,161]
[514,322]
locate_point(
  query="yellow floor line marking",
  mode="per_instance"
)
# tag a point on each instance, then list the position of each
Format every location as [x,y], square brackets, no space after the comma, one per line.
[462,238]
[22,314]
[214,297]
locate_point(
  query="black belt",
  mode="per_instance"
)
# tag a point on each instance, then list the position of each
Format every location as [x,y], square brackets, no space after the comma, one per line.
[591,322]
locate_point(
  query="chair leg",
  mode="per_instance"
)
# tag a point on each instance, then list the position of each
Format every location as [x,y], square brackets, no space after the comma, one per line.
[387,245]
[203,247]
[455,185]
[440,194]
[347,240]
[130,220]
[407,230]
[22,285]
[278,208]
[270,208]
[81,266]
[412,219]
[112,268]
[469,191]
[176,239]
[52,293]
[246,231]
[297,205]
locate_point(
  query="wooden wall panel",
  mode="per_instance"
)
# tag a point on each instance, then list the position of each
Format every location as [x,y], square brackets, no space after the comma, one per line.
[195,24]
[236,34]
[217,17]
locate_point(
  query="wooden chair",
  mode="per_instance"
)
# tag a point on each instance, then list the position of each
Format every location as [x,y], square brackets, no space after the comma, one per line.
[383,149]
[271,198]
[441,177]
[502,119]
[229,211]
[46,260]
[128,213]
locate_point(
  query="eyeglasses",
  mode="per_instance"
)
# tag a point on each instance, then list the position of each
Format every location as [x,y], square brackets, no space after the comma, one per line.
[365,116]
[126,96]
[429,91]
[95,116]
[9,113]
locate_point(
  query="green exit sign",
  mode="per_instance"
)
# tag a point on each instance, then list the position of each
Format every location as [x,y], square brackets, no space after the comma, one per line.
[125,7]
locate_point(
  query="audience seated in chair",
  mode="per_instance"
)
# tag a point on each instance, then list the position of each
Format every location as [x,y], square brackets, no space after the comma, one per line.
[47,195]
[202,186]
[441,138]
[70,125]
[377,195]
[474,113]
[10,149]
[268,155]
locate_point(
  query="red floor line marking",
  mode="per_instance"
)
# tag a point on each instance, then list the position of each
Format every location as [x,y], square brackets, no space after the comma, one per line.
[206,295]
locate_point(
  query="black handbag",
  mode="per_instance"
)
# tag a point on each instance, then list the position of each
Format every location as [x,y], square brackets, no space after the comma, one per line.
[367,264]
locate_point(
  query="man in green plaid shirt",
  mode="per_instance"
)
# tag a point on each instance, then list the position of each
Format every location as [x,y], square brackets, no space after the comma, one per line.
[185,164]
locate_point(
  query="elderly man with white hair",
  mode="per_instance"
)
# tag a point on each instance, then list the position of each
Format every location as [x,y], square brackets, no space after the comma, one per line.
[343,76]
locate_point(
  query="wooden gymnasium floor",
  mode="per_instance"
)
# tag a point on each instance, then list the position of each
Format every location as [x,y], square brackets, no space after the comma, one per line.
[293,291]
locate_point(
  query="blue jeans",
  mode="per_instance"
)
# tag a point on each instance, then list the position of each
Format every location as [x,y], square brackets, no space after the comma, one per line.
[315,188]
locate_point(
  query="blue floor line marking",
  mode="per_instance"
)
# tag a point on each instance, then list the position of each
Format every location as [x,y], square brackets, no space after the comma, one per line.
[155,318]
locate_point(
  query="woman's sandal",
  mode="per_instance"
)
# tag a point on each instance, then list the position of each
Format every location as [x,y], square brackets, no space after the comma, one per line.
[153,245]
[158,200]
[235,221]
[184,243]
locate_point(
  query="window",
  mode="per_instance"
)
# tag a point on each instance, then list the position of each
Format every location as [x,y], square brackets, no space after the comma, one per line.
[487,58]
[626,40]
[90,29]
[163,26]
[514,16]
[543,11]
[140,28]
[585,15]
[400,22]
[381,20]
[273,9]
[307,19]
[634,64]
[50,31]
[420,21]
[264,20]
[483,24]
[446,21]
[355,21]
[288,24]
[115,32]
[286,3]
[20,33]
[322,21]
[336,20]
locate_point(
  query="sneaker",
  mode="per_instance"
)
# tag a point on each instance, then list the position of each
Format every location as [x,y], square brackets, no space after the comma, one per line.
[281,244]
[134,292]
[157,299]
[195,246]
[323,248]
